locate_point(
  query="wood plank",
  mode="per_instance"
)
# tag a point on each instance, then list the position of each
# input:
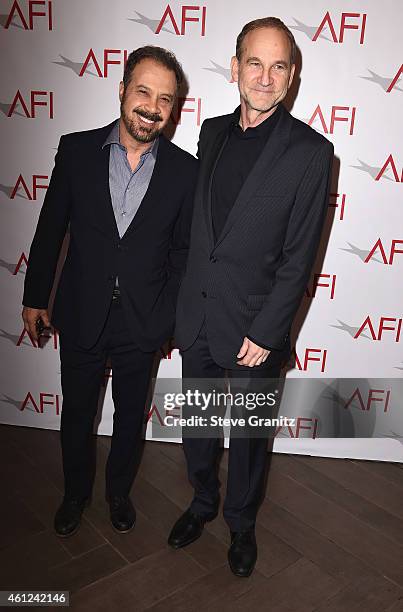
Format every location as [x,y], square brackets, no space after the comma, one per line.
[369,513]
[350,475]
[141,584]
[338,525]
[85,570]
[25,564]
[210,592]
[308,542]
[368,593]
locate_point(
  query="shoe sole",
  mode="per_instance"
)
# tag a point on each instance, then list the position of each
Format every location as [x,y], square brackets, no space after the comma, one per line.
[68,535]
[123,530]
[177,546]
[241,575]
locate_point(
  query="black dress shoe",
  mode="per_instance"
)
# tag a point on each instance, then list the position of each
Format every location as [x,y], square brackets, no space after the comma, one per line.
[242,553]
[68,516]
[123,514]
[187,529]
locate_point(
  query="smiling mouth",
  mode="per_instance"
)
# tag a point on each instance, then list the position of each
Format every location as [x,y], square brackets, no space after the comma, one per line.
[147,121]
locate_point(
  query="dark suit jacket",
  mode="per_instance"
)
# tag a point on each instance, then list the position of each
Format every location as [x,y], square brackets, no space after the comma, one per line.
[250,282]
[149,259]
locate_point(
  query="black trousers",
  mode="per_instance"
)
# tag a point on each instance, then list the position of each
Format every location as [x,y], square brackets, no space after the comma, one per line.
[82,373]
[248,456]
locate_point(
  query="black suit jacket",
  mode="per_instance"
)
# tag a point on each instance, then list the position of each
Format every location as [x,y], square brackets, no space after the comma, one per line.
[149,259]
[251,281]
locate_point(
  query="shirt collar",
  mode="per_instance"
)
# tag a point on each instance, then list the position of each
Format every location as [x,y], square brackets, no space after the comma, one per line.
[261,130]
[113,138]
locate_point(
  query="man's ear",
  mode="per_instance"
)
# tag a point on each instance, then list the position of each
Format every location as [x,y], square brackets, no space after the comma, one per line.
[121,90]
[292,71]
[234,68]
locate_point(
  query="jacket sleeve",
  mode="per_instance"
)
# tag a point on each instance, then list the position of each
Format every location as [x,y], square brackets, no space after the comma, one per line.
[50,231]
[179,249]
[272,325]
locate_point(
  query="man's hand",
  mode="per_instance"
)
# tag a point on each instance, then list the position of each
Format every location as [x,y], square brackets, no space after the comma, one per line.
[251,354]
[30,316]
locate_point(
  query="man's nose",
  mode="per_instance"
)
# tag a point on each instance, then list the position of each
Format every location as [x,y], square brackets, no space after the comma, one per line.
[266,78]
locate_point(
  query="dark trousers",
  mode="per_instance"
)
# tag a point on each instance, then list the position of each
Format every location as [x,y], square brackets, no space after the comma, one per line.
[248,456]
[82,373]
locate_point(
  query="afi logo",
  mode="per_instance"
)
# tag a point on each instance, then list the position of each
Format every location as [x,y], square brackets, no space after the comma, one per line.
[36,8]
[348,21]
[311,355]
[387,259]
[371,396]
[334,202]
[186,105]
[302,424]
[395,79]
[43,338]
[101,66]
[348,117]
[37,98]
[196,14]
[44,399]
[330,283]
[23,261]
[36,184]
[390,162]
[381,328]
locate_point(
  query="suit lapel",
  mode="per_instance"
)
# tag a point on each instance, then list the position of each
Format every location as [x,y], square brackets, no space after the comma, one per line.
[151,195]
[105,215]
[209,169]
[272,151]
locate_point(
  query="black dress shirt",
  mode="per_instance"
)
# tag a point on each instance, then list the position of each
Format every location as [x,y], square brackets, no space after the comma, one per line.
[237,160]
[238,157]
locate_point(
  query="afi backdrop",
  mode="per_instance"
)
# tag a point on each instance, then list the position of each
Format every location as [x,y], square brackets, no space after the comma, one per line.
[62,63]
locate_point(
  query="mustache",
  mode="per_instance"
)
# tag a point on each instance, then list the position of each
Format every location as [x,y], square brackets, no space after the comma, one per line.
[147,115]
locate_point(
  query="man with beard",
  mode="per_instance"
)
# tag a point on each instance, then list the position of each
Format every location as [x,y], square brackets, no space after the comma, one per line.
[126,193]
[260,204]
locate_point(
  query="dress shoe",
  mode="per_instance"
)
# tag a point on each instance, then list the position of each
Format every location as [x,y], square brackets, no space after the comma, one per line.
[187,529]
[123,514]
[242,553]
[68,516]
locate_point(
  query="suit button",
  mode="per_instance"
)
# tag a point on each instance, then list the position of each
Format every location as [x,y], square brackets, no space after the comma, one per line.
[204,294]
[213,259]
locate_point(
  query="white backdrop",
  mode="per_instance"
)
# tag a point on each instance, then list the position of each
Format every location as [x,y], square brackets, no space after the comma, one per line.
[61,65]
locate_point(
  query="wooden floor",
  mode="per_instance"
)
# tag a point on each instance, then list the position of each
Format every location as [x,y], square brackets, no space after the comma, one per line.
[330,536]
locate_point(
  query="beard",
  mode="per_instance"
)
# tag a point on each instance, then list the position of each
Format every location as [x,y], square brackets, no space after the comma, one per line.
[141,133]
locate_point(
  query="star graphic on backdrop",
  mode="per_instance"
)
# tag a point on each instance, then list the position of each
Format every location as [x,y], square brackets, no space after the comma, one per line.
[74,66]
[349,329]
[5,107]
[9,190]
[306,29]
[11,337]
[3,21]
[10,267]
[383,82]
[13,402]
[225,72]
[361,253]
[152,24]
[371,170]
